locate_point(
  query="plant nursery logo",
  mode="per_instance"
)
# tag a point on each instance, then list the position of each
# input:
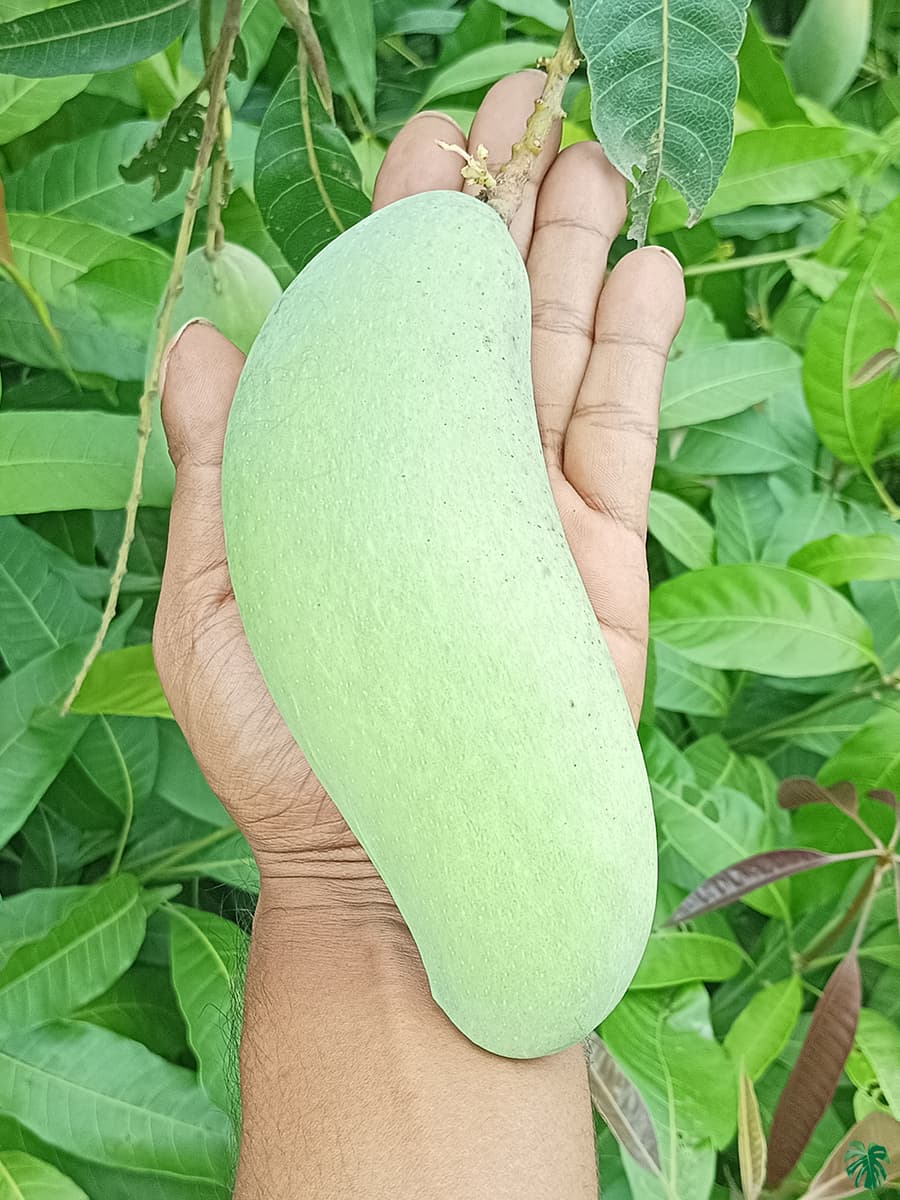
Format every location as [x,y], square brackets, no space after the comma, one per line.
[866,1165]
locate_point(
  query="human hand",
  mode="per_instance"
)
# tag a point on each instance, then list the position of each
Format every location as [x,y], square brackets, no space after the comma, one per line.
[598,355]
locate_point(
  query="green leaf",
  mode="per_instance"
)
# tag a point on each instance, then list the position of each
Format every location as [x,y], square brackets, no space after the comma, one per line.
[352,29]
[124,682]
[34,740]
[802,519]
[757,617]
[65,460]
[26,103]
[744,509]
[684,686]
[827,48]
[879,1039]
[89,35]
[28,916]
[113,767]
[291,194]
[870,758]
[171,150]
[664,1044]
[672,959]
[725,378]
[75,960]
[208,958]
[40,609]
[141,1005]
[663,78]
[678,527]
[109,1100]
[847,331]
[181,783]
[763,81]
[23,1177]
[785,165]
[483,66]
[762,1029]
[746,444]
[841,557]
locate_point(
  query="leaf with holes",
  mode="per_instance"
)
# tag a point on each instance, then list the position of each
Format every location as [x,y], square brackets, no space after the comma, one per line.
[170,150]
[663,77]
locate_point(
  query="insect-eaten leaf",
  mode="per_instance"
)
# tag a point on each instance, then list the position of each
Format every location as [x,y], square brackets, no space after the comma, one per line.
[817,1071]
[746,876]
[622,1107]
[172,150]
[664,79]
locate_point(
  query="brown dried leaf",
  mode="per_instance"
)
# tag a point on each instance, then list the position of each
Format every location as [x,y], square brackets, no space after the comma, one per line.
[746,876]
[799,791]
[879,364]
[751,1141]
[622,1107]
[817,1071]
[879,1130]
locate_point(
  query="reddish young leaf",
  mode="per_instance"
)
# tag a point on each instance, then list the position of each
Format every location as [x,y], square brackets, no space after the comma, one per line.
[883,796]
[855,1165]
[622,1107]
[817,1071]
[800,791]
[746,876]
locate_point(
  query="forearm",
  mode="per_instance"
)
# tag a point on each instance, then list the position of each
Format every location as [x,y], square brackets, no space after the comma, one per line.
[355,1084]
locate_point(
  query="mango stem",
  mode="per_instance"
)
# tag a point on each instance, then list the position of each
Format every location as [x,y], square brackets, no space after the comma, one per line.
[506,197]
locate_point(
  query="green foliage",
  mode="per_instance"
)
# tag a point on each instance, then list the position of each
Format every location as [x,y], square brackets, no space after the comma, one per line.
[773,554]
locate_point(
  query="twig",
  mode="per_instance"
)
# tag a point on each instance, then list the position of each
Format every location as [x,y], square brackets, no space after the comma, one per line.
[218,188]
[750,260]
[219,75]
[513,176]
[309,50]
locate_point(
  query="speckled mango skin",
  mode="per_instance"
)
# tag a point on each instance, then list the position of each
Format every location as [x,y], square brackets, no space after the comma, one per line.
[412,602]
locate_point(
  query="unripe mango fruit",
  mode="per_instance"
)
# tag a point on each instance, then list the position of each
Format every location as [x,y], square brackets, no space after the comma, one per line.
[234,289]
[415,610]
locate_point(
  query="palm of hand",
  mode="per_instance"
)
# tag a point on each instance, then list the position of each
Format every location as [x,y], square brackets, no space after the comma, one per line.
[598,355]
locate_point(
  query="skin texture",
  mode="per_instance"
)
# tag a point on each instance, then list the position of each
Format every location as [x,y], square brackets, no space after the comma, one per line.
[353,1080]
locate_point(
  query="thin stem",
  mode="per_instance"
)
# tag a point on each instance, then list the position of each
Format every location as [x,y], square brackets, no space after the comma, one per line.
[160,863]
[306,121]
[400,47]
[749,260]
[822,943]
[296,13]
[506,197]
[893,510]
[358,119]
[218,187]
[879,873]
[222,61]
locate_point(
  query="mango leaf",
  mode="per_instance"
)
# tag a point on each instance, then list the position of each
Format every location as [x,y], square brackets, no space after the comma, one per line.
[110,1101]
[180,782]
[725,378]
[801,790]
[663,82]
[112,769]
[785,165]
[757,617]
[674,959]
[684,686]
[305,199]
[744,508]
[827,48]
[622,1107]
[483,66]
[763,82]
[857,1165]
[878,1038]
[65,460]
[76,960]
[871,756]
[28,916]
[745,876]
[26,103]
[663,1043]
[841,557]
[209,954]
[40,609]
[141,1005]
[123,682]
[761,1030]
[851,327]
[678,527]
[23,1177]
[352,29]
[817,1071]
[747,443]
[170,150]
[751,1141]
[89,35]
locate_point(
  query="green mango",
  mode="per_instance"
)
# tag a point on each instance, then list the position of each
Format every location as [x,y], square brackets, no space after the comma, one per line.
[412,602]
[234,289]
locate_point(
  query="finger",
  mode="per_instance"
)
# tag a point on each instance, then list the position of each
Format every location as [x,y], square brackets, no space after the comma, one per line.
[416,163]
[580,209]
[499,122]
[610,443]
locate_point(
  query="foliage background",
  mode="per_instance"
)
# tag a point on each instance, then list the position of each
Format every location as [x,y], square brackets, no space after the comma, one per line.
[774,557]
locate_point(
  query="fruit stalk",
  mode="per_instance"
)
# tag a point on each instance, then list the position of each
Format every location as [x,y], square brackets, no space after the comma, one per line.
[506,197]
[221,61]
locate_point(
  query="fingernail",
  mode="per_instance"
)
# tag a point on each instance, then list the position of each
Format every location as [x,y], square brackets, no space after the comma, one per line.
[173,342]
[669,254]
